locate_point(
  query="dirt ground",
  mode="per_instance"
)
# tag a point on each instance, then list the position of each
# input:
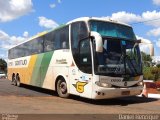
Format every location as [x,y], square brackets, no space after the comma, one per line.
[30,102]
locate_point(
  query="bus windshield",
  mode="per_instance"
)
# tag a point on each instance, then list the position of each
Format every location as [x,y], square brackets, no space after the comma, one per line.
[112,29]
[119,57]
[121,54]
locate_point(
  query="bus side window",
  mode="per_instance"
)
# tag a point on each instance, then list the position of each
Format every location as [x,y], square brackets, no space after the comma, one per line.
[63,41]
[49,42]
[78,32]
[64,38]
[64,45]
[57,40]
[36,46]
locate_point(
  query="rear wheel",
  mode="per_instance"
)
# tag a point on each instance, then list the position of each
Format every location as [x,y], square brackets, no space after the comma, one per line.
[62,88]
[14,81]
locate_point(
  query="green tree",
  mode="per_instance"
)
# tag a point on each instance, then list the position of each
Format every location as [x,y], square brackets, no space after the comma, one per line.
[146,59]
[156,72]
[158,65]
[3,65]
[147,73]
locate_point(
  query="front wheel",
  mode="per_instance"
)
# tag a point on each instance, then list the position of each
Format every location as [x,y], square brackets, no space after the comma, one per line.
[62,88]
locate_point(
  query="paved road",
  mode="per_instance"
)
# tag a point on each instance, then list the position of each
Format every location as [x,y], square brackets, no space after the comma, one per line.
[31,100]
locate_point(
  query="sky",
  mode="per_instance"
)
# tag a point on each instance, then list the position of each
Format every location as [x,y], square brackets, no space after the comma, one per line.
[21,19]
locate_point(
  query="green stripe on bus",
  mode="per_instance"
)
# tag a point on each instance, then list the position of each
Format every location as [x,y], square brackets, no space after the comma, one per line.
[40,69]
[44,65]
[36,75]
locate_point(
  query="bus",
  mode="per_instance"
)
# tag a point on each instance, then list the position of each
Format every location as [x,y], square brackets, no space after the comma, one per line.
[89,57]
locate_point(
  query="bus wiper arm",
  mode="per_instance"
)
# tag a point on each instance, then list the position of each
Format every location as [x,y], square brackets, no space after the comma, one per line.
[119,67]
[126,56]
[121,59]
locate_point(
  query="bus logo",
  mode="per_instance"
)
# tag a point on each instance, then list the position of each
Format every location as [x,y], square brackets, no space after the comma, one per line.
[80,86]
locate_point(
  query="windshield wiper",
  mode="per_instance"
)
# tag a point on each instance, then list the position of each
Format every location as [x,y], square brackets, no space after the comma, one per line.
[120,61]
[126,56]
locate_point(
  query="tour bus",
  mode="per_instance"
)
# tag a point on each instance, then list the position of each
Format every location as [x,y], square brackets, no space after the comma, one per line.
[89,57]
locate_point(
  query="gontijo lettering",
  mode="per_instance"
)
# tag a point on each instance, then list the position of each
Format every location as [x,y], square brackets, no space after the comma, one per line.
[21,62]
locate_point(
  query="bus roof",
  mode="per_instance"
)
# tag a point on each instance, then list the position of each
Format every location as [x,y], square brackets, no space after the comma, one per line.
[86,19]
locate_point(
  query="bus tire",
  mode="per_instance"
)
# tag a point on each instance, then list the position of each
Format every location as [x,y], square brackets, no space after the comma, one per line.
[18,83]
[62,88]
[14,80]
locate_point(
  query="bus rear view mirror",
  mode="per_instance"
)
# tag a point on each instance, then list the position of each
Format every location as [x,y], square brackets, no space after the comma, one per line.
[149,44]
[138,41]
[98,41]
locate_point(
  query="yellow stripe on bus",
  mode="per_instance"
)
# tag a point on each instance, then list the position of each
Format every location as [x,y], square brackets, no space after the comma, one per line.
[30,68]
[24,73]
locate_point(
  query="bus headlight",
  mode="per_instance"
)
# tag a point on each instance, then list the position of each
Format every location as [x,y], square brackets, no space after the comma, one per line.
[107,85]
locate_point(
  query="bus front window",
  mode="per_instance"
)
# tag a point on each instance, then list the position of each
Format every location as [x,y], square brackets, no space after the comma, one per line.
[118,58]
[121,54]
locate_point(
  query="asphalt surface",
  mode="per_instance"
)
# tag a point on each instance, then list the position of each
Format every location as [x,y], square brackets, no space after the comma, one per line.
[32,100]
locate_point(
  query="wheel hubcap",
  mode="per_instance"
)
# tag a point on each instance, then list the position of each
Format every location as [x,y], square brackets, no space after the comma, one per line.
[63,87]
[14,81]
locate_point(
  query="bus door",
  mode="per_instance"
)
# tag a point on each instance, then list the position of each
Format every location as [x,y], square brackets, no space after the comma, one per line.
[81,73]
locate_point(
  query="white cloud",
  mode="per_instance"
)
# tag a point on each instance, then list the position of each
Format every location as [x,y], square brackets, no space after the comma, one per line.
[16,40]
[7,41]
[158,43]
[12,9]
[52,5]
[154,32]
[125,17]
[156,2]
[47,23]
[3,35]
[25,34]
[59,1]
[147,16]
[133,18]
[55,4]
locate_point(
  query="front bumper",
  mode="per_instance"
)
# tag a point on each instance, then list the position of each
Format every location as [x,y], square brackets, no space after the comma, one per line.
[106,93]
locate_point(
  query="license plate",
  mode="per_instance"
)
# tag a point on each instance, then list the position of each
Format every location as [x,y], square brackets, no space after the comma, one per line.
[125,93]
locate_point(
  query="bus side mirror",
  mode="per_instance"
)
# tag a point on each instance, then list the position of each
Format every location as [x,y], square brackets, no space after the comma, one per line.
[98,41]
[138,41]
[149,44]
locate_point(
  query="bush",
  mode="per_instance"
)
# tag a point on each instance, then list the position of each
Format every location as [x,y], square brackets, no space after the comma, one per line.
[156,72]
[158,84]
[158,65]
[151,73]
[147,73]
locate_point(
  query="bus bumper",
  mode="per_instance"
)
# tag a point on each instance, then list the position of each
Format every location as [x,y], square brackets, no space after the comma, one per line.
[106,93]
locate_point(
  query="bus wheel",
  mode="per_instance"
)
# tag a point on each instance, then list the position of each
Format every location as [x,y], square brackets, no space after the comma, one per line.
[62,88]
[18,83]
[14,81]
